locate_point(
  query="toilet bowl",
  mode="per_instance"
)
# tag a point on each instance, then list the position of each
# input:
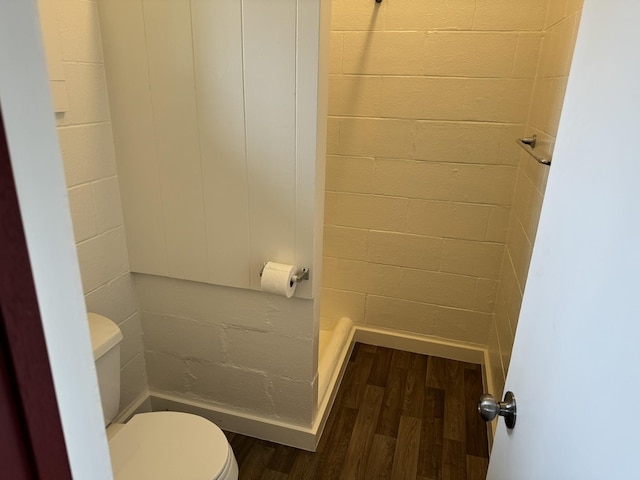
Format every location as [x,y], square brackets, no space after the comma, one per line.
[157,445]
[170,445]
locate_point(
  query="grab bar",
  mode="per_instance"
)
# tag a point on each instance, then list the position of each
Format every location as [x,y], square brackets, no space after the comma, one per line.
[528,144]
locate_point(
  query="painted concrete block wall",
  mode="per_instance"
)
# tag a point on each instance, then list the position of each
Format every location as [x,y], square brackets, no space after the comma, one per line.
[426,99]
[48,13]
[215,108]
[560,30]
[232,348]
[86,141]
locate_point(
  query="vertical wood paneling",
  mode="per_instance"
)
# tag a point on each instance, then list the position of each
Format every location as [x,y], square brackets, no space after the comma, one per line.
[269,36]
[324,40]
[219,114]
[132,117]
[217,41]
[311,117]
[172,83]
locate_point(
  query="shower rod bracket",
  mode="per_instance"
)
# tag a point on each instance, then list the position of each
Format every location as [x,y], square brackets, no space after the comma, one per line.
[528,144]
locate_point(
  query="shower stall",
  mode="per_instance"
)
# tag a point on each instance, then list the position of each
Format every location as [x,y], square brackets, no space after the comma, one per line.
[372,142]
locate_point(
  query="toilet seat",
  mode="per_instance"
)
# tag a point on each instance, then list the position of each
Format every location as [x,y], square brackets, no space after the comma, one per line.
[170,446]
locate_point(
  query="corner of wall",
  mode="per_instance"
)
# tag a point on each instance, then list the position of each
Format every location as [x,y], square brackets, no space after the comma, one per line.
[551,75]
[86,142]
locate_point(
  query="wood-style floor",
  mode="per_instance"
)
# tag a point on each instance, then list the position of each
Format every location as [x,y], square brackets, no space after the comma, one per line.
[397,415]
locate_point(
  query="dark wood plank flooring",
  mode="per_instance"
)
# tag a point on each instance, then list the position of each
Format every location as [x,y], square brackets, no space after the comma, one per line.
[397,415]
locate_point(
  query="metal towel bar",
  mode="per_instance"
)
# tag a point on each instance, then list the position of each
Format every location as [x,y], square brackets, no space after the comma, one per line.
[528,144]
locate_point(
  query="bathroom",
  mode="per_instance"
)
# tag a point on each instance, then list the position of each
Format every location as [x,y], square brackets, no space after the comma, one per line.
[430,211]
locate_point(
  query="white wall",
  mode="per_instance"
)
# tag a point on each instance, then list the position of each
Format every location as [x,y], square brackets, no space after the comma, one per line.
[86,141]
[215,108]
[232,348]
[29,121]
[577,336]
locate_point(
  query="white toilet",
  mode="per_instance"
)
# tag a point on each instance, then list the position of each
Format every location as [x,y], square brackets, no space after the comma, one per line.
[158,445]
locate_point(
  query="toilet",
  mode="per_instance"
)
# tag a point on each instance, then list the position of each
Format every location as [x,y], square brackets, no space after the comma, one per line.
[158,445]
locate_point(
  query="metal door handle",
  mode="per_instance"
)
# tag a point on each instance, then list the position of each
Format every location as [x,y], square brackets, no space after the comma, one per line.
[489,409]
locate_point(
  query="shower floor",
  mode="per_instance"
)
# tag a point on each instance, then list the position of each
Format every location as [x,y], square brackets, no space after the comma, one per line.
[397,415]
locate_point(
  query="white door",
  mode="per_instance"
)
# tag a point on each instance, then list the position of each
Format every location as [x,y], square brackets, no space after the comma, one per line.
[575,368]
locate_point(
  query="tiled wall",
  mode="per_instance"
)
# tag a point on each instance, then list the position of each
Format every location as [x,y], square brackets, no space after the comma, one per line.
[560,30]
[426,100]
[90,168]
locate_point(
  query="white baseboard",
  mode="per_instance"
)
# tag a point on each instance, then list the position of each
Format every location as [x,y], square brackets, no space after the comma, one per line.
[423,344]
[142,404]
[239,422]
[307,438]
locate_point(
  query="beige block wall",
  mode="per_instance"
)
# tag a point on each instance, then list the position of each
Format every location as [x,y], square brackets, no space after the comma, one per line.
[89,160]
[560,30]
[426,99]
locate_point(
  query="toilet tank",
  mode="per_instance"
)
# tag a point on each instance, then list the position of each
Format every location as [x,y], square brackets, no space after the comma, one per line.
[105,340]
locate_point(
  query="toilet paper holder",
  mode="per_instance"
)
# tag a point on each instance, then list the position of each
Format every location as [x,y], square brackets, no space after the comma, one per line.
[303,273]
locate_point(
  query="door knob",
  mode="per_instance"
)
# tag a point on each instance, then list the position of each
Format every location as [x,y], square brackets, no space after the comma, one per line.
[489,409]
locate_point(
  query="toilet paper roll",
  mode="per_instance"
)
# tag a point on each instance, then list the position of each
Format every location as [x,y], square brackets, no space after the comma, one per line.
[277,278]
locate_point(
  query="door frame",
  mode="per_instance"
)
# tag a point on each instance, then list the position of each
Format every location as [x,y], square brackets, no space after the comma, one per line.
[38,175]
[33,444]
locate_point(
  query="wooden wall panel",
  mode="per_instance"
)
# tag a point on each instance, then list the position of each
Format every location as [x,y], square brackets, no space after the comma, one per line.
[313,20]
[172,84]
[216,118]
[269,35]
[125,55]
[217,41]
